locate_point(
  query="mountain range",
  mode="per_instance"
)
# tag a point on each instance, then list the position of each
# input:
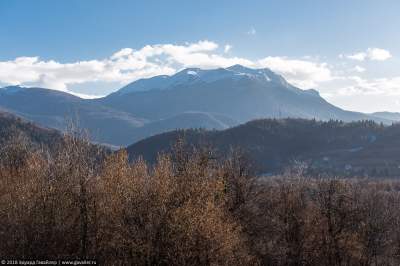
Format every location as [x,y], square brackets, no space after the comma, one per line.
[362,148]
[192,98]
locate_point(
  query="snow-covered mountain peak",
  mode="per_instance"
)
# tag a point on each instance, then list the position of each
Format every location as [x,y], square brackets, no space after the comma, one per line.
[190,76]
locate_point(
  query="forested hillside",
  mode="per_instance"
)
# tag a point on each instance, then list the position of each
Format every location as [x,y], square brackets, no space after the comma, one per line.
[12,126]
[334,147]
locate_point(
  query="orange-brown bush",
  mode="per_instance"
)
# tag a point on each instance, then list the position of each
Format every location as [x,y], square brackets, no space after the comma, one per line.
[188,209]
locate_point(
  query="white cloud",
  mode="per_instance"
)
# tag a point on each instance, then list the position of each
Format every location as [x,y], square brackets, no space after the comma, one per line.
[121,53]
[374,54]
[303,73]
[86,96]
[359,69]
[378,54]
[358,56]
[381,86]
[227,48]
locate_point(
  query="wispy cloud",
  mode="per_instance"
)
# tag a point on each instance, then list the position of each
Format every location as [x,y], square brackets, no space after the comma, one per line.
[303,73]
[359,69]
[374,54]
[379,86]
[227,48]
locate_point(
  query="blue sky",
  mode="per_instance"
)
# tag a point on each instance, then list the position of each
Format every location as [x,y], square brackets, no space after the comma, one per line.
[348,50]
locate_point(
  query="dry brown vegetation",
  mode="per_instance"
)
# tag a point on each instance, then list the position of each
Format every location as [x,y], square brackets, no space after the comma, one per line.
[190,208]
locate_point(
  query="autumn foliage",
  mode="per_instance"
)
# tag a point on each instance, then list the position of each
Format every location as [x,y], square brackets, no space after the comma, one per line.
[189,208]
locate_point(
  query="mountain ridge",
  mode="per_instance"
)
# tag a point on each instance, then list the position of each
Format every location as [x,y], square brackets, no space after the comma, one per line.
[193,97]
[357,148]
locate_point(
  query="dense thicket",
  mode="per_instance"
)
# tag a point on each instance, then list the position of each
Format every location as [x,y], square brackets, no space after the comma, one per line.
[190,208]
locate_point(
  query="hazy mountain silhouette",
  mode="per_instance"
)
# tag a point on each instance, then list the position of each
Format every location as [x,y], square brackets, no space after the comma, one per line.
[54,109]
[192,98]
[387,115]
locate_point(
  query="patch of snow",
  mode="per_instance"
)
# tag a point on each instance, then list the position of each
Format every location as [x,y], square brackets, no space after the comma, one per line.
[245,74]
[191,72]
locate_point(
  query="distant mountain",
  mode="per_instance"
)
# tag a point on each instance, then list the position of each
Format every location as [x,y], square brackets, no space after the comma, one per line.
[387,115]
[54,108]
[105,124]
[358,148]
[238,93]
[192,98]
